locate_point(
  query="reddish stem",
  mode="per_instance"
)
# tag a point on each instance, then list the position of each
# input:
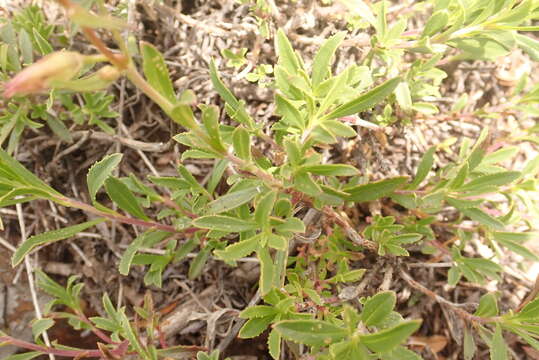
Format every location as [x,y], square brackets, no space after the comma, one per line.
[83,353]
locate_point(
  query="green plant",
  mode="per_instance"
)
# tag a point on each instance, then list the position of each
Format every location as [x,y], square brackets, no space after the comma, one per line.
[259,210]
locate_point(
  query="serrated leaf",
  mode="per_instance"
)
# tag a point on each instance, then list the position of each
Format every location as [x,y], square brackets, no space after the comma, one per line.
[291,224]
[322,59]
[156,71]
[258,311]
[124,198]
[310,332]
[277,242]
[100,171]
[378,307]
[267,271]
[331,169]
[387,339]
[365,101]
[274,344]
[240,249]
[224,223]
[264,208]
[374,190]
[254,327]
[232,200]
[50,237]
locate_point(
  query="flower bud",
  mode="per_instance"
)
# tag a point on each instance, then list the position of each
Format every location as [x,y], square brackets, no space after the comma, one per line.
[58,66]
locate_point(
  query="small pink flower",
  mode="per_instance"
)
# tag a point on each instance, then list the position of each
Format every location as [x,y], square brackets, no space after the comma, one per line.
[58,66]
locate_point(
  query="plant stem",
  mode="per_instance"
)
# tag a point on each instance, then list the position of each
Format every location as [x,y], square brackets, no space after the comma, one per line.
[122,218]
[134,76]
[48,350]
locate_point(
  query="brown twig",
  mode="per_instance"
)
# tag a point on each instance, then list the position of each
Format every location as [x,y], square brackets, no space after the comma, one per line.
[456,308]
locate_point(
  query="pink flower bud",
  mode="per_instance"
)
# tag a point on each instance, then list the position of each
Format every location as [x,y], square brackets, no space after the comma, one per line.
[58,66]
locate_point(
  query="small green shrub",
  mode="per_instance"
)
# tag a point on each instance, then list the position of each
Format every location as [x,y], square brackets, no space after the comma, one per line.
[258,214]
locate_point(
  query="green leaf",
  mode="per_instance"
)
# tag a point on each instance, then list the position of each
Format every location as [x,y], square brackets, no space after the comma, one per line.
[514,241]
[387,339]
[210,119]
[274,344]
[197,265]
[483,218]
[307,185]
[129,253]
[292,224]
[100,171]
[240,249]
[529,45]
[498,348]
[238,109]
[435,23]
[497,179]
[469,347]
[254,327]
[285,53]
[365,101]
[310,332]
[361,9]
[50,237]
[124,198]
[21,174]
[39,326]
[156,71]
[423,168]
[338,128]
[277,242]
[403,96]
[289,112]
[42,44]
[374,190]
[264,208]
[488,306]
[242,143]
[224,223]
[479,48]
[25,44]
[232,200]
[258,311]
[322,60]
[530,311]
[267,271]
[378,307]
[331,169]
